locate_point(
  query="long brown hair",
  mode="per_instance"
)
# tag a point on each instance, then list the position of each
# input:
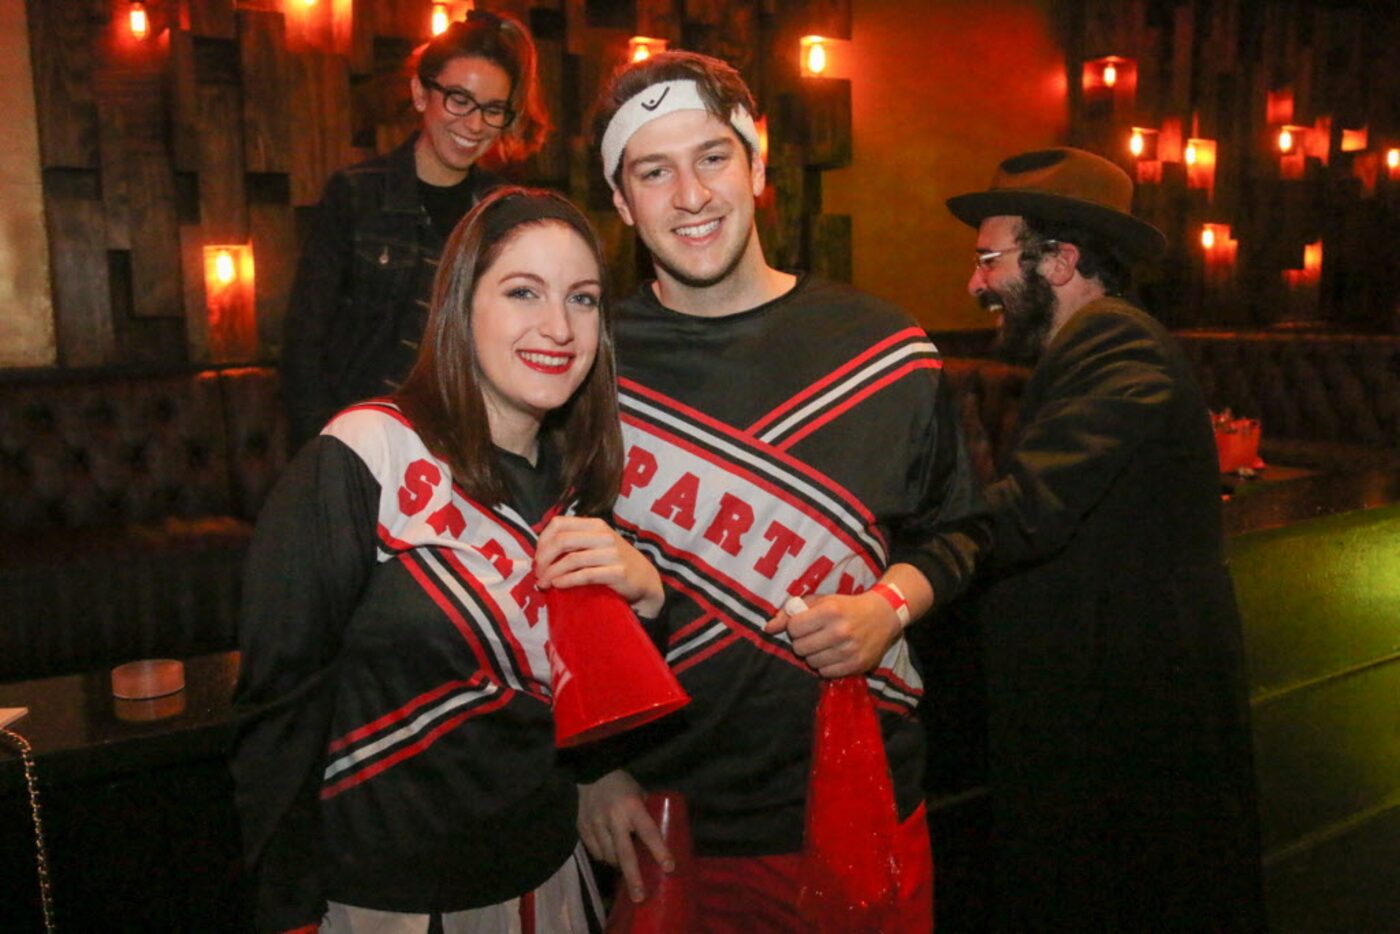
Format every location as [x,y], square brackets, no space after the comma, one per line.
[504,41]
[442,394]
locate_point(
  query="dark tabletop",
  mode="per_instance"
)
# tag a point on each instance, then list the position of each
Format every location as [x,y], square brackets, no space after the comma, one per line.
[1281,495]
[80,731]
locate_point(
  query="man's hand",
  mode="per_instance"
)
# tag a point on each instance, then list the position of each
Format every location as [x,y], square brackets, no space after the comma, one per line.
[610,811]
[840,635]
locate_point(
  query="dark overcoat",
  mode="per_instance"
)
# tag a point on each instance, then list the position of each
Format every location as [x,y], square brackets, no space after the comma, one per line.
[1119,749]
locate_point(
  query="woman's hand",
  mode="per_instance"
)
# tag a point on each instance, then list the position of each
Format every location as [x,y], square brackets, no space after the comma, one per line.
[575,550]
[612,811]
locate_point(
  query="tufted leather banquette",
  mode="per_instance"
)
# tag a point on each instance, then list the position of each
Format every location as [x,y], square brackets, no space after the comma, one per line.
[128,499]
[127,507]
[1324,400]
[988,397]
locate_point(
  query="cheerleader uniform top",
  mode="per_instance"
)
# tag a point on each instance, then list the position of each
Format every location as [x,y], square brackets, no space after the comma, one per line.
[394,744]
[795,448]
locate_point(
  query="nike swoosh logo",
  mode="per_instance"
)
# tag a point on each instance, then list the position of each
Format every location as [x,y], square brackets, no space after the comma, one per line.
[656,103]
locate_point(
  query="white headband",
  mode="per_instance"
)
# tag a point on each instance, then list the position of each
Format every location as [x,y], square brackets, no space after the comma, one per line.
[658,100]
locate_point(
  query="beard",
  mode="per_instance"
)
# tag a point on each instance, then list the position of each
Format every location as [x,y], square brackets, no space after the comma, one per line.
[695,281]
[1027,310]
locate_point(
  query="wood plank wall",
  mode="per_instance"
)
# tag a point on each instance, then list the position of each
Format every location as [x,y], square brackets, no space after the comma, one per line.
[1209,70]
[222,126]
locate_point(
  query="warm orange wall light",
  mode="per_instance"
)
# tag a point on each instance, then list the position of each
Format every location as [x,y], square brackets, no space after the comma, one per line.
[1142,143]
[813,56]
[441,19]
[1392,159]
[229,302]
[641,48]
[1199,157]
[1218,243]
[1311,273]
[1293,143]
[1354,140]
[1110,77]
[1220,250]
[1278,107]
[224,269]
[138,19]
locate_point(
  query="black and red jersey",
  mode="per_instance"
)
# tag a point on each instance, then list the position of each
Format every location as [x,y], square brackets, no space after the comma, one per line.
[797,448]
[395,746]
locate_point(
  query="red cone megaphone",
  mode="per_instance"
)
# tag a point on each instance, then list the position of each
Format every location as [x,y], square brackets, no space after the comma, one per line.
[669,906]
[606,675]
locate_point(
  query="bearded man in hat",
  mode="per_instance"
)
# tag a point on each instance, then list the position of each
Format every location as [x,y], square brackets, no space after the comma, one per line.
[1119,748]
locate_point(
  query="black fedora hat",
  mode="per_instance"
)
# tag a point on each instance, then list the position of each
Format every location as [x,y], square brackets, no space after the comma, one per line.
[1068,186]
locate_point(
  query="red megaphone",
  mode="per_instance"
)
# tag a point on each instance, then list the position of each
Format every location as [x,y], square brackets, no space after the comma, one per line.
[606,676]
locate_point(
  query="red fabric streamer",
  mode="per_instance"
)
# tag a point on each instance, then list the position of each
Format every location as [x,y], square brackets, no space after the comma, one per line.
[850,880]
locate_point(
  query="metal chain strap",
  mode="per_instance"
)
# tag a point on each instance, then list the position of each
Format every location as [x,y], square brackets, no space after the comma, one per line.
[41,853]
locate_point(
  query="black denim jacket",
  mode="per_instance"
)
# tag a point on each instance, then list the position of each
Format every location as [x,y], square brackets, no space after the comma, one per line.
[360,297]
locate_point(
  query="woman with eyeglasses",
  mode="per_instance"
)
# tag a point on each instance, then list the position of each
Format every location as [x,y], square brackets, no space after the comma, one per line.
[360,298]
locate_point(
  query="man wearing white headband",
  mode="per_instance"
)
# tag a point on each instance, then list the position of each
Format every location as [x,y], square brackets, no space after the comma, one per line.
[786,436]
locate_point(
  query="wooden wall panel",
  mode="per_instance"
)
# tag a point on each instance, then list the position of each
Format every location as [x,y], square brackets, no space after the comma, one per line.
[659,20]
[184,101]
[360,51]
[139,210]
[781,211]
[1214,78]
[61,46]
[705,12]
[827,106]
[274,239]
[551,163]
[232,115]
[735,38]
[402,19]
[575,27]
[1179,88]
[192,293]
[211,19]
[307,28]
[81,295]
[113,172]
[830,249]
[223,205]
[321,112]
[133,117]
[155,235]
[830,18]
[266,81]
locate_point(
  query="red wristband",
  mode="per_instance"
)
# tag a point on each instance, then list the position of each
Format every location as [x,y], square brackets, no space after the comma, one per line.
[895,598]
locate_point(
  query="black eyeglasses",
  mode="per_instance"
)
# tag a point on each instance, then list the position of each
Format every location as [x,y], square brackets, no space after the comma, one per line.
[459,103]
